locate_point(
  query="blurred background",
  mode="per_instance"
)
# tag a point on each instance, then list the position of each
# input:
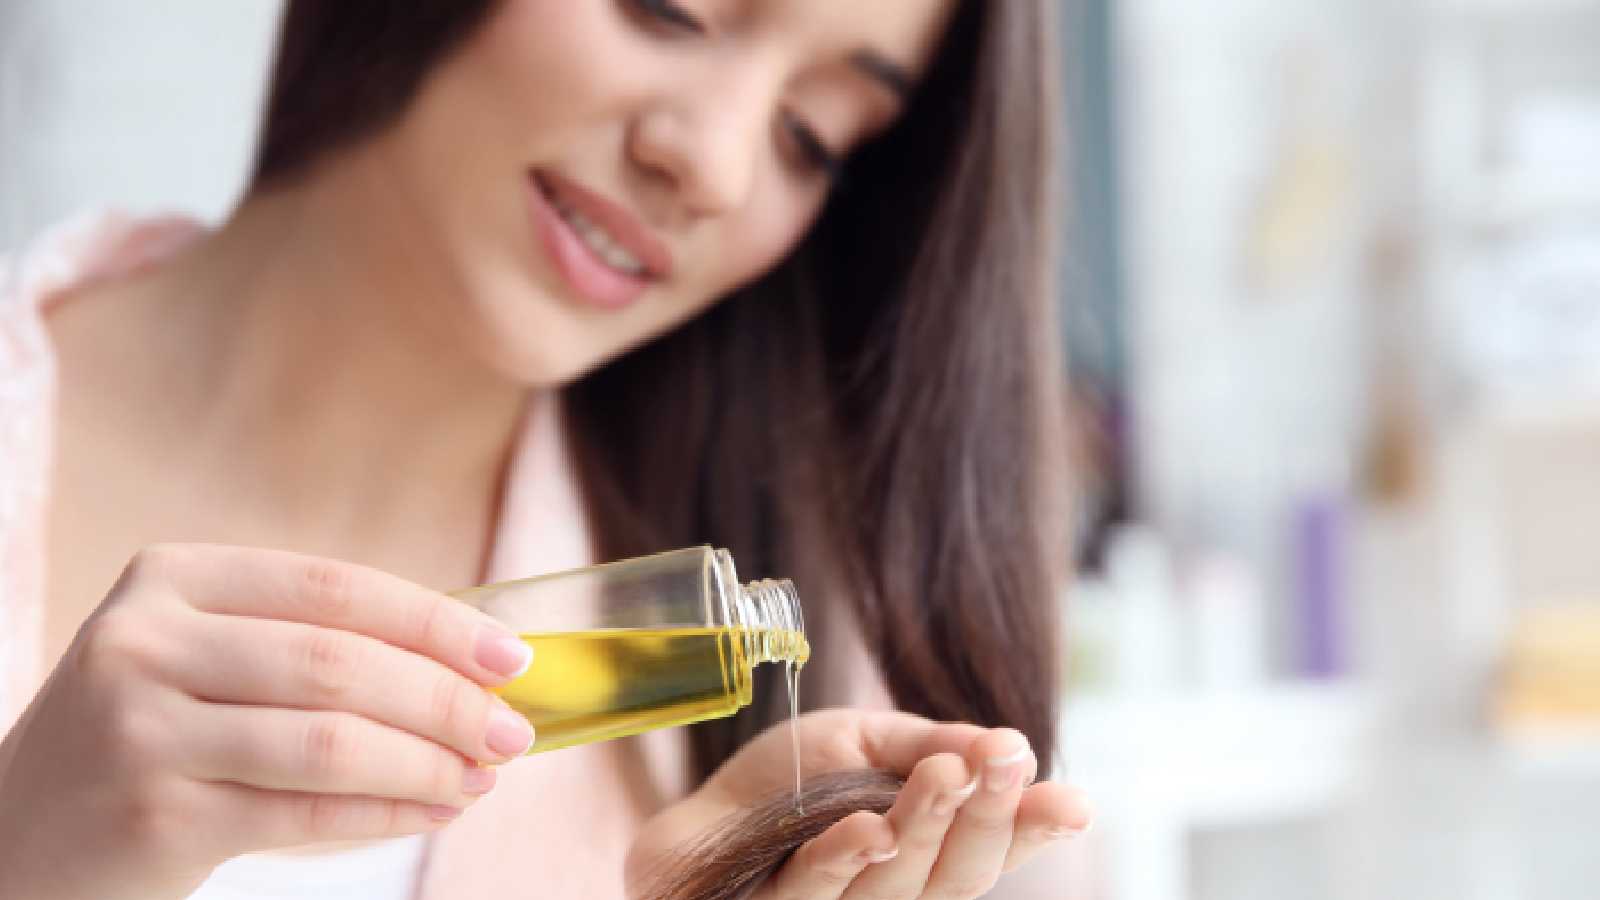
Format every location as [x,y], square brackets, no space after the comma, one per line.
[1333,302]
[1334,297]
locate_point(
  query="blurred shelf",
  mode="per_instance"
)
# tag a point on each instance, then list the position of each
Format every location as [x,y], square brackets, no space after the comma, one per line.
[1522,9]
[1571,752]
[1573,401]
[1222,758]
[1513,199]
[1160,767]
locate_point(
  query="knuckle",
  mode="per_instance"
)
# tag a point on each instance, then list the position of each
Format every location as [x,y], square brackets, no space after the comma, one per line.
[155,562]
[115,643]
[327,589]
[988,827]
[444,779]
[328,746]
[839,745]
[454,707]
[391,817]
[331,663]
[331,817]
[822,869]
[153,821]
[136,737]
[829,877]
[967,887]
[431,618]
[922,840]
[323,816]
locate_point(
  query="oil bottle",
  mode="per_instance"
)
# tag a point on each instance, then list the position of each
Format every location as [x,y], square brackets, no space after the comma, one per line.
[632,646]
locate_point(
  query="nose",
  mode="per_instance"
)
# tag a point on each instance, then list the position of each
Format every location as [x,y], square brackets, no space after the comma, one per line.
[705,144]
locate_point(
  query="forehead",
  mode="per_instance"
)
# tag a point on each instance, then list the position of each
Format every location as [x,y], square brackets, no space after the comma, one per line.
[905,32]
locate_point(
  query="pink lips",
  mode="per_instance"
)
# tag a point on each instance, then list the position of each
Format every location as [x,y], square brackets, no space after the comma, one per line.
[590,276]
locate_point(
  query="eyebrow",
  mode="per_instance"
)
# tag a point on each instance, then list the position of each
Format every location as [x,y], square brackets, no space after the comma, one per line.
[886,71]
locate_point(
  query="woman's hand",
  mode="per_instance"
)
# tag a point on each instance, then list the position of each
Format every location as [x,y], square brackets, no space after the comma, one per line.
[223,700]
[968,812]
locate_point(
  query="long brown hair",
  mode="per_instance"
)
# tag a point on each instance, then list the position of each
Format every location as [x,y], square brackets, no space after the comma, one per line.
[732,860]
[877,417]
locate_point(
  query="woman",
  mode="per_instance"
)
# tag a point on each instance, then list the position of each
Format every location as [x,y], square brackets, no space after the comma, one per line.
[520,285]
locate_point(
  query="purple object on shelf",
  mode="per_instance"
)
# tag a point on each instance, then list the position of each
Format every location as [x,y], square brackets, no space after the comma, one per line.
[1319,577]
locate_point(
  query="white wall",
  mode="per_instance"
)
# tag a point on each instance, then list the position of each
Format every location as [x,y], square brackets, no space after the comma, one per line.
[136,105]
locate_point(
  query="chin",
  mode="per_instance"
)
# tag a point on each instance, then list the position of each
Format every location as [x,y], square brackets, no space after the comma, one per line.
[546,357]
[539,340]
[543,366]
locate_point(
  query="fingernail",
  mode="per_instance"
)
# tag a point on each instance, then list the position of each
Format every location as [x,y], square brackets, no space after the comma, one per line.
[880,856]
[1000,773]
[1056,834]
[502,653]
[508,734]
[443,813]
[949,803]
[477,780]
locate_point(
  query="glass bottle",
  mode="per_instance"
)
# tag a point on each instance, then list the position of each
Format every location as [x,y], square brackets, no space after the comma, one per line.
[641,644]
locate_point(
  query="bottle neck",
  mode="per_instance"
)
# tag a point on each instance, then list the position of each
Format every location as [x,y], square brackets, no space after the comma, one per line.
[768,611]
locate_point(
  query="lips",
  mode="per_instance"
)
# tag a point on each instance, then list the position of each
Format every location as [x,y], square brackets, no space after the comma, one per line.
[605,254]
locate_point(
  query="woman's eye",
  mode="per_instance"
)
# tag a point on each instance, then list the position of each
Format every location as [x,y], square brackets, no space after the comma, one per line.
[669,13]
[813,152]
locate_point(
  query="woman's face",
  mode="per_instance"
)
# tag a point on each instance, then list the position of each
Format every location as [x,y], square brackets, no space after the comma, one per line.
[593,172]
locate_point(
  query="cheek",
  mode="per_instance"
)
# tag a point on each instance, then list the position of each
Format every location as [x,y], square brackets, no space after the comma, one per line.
[531,81]
[546,54]
[533,84]
[763,236]
[741,250]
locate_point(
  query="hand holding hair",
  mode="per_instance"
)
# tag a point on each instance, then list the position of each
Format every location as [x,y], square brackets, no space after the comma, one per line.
[902,807]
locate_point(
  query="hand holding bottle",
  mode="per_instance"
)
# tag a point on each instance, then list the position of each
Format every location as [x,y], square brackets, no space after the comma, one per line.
[223,700]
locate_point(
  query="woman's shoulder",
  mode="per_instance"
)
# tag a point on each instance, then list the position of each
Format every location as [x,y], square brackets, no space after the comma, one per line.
[55,265]
[43,272]
[83,249]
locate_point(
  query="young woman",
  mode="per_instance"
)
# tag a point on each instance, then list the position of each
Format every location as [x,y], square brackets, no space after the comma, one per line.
[520,285]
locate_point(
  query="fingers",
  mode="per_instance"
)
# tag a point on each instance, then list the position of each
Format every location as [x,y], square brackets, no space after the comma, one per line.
[265,662]
[977,842]
[273,584]
[283,819]
[825,866]
[1047,812]
[897,741]
[920,817]
[326,753]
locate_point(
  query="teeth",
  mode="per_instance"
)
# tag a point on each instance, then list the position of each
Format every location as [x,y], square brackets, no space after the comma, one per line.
[599,240]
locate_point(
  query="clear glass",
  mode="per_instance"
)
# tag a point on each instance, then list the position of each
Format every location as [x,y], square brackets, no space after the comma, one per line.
[641,644]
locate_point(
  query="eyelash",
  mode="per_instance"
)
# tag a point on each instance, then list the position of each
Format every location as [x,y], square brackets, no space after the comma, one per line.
[815,154]
[670,13]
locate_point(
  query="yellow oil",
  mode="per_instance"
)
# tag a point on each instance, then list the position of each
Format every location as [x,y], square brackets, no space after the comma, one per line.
[588,686]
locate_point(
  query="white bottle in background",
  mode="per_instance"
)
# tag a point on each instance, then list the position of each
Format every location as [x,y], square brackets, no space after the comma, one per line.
[1090,623]
[1227,630]
[1139,572]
